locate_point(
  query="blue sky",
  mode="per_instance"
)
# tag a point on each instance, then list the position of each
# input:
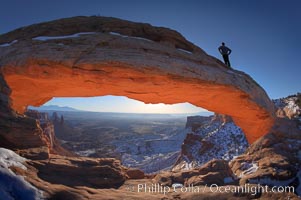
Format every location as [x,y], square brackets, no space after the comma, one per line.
[264,35]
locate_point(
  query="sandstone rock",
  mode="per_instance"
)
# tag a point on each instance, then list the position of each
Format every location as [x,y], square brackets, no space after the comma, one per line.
[222,118]
[144,63]
[164,178]
[41,116]
[273,159]
[206,146]
[18,132]
[21,132]
[215,166]
[188,141]
[48,134]
[167,178]
[55,190]
[289,107]
[135,174]
[209,179]
[195,122]
[5,104]
[218,137]
[81,171]
[213,172]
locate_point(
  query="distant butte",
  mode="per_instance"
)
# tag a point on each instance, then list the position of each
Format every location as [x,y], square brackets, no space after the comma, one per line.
[96,56]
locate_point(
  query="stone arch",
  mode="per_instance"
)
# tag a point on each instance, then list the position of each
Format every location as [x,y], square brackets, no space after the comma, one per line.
[96,56]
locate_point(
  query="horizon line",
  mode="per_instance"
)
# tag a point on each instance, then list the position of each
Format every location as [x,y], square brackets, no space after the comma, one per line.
[78,110]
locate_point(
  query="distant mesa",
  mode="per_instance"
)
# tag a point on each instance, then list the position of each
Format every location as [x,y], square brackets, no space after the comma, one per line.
[52,108]
[97,56]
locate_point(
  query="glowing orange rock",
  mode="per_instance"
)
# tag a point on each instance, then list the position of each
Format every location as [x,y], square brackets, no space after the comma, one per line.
[150,64]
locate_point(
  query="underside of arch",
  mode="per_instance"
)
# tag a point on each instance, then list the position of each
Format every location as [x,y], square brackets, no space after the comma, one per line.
[136,63]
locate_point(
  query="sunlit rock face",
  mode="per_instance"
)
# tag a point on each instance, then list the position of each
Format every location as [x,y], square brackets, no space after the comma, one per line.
[95,56]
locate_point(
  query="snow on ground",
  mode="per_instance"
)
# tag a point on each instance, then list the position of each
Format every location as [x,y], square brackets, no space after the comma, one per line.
[45,38]
[187,164]
[249,168]
[289,104]
[219,140]
[177,185]
[152,155]
[13,186]
[9,158]
[151,164]
[126,36]
[185,51]
[8,44]
[237,73]
[86,153]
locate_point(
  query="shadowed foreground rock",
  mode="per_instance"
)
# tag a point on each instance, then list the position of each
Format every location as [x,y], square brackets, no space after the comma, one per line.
[83,179]
[93,173]
[213,172]
[273,159]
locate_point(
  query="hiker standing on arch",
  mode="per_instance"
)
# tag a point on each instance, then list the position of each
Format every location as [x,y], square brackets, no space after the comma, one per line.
[225,51]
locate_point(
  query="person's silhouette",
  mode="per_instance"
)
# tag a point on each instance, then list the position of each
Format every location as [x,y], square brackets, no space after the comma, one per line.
[225,51]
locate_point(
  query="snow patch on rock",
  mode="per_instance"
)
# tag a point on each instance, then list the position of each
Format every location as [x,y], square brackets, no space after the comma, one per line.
[14,186]
[249,168]
[9,158]
[86,153]
[289,106]
[8,44]
[218,140]
[177,185]
[126,36]
[45,38]
[185,51]
[152,155]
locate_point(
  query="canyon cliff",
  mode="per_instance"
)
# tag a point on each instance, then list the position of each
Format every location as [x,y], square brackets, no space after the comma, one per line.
[48,133]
